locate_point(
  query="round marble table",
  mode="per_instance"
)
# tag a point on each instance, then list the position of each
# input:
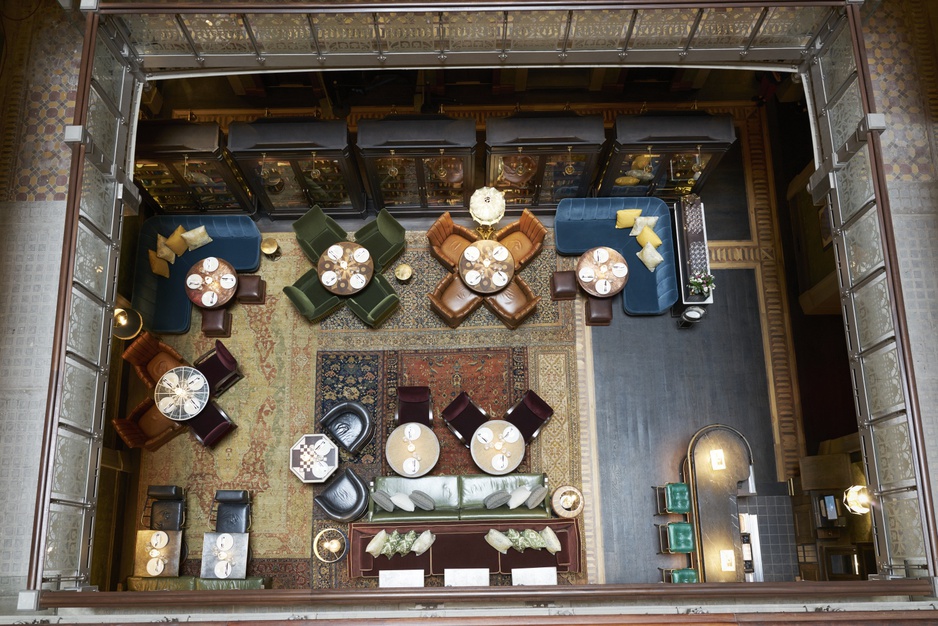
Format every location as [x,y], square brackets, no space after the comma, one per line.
[412,450]
[486,266]
[602,272]
[345,268]
[211,283]
[181,393]
[497,447]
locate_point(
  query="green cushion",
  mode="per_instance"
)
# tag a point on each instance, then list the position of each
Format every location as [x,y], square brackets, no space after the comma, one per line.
[179,583]
[211,584]
[677,498]
[680,537]
[686,575]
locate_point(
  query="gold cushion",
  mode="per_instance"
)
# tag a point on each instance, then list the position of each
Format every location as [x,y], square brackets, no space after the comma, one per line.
[175,241]
[157,265]
[625,218]
[650,257]
[163,251]
[648,236]
[196,238]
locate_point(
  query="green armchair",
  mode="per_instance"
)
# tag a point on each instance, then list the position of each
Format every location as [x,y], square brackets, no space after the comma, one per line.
[383,237]
[376,302]
[316,231]
[310,298]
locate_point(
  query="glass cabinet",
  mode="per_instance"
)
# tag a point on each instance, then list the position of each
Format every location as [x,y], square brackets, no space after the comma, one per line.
[418,165]
[666,155]
[538,160]
[292,165]
[183,167]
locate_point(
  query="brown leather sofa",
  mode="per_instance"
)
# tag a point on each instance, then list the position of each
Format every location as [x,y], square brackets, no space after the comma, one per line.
[453,301]
[151,358]
[146,427]
[448,240]
[524,238]
[513,304]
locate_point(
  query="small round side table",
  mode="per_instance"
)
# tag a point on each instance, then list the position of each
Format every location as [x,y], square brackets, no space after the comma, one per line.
[567,501]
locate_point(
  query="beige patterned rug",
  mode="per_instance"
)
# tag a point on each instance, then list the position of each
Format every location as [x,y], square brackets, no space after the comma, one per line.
[275,403]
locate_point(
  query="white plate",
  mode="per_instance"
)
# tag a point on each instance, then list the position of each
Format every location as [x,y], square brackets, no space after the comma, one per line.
[194,281]
[224,542]
[485,435]
[228,281]
[411,465]
[411,432]
[210,264]
[159,539]
[166,404]
[191,407]
[603,286]
[321,448]
[170,379]
[511,434]
[471,254]
[329,278]
[155,567]
[500,253]
[500,279]
[600,255]
[320,469]
[195,382]
[209,298]
[587,274]
[334,252]
[223,569]
[357,281]
[500,462]
[361,255]
[473,277]
[620,269]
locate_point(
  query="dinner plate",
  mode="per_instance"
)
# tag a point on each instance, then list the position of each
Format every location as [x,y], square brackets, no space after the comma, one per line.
[223,569]
[361,255]
[155,566]
[195,382]
[210,264]
[166,404]
[194,281]
[600,255]
[603,286]
[471,254]
[411,465]
[334,252]
[511,434]
[411,432]
[357,281]
[159,539]
[500,253]
[170,379]
[485,435]
[224,541]
[321,448]
[209,298]
[587,274]
[329,278]
[500,279]
[473,277]
[228,281]
[320,469]
[500,462]
[620,269]
[190,407]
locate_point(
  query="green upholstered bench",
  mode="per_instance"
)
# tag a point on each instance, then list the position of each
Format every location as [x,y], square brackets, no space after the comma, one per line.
[673,498]
[676,538]
[177,583]
[684,575]
[251,582]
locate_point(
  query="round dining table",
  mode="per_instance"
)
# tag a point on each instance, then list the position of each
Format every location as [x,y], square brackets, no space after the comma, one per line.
[181,393]
[602,272]
[497,447]
[486,266]
[211,283]
[345,268]
[412,449]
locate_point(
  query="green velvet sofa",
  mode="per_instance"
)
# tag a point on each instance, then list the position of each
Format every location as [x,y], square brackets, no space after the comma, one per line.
[457,497]
[191,583]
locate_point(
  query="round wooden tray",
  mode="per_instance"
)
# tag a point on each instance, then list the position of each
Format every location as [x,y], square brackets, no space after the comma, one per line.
[567,501]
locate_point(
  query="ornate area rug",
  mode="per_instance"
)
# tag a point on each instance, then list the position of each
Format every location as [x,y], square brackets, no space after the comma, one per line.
[282,396]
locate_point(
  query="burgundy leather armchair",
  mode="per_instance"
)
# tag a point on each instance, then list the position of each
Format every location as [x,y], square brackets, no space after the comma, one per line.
[463,417]
[220,368]
[529,415]
[211,425]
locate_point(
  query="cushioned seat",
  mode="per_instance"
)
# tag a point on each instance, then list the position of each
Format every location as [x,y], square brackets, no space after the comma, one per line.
[345,499]
[529,415]
[166,505]
[146,427]
[376,302]
[563,286]
[383,237]
[449,240]
[218,584]
[174,583]
[683,575]
[316,231]
[350,425]
[673,498]
[453,301]
[524,238]
[220,368]
[513,304]
[151,358]
[310,298]
[598,311]
[211,425]
[232,510]
[676,538]
[216,323]
[463,416]
[252,289]
[413,405]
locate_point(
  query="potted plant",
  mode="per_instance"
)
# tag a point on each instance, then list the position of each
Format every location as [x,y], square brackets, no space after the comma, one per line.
[701,284]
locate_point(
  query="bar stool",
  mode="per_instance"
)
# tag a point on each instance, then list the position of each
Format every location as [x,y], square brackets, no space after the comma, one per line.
[673,498]
[676,538]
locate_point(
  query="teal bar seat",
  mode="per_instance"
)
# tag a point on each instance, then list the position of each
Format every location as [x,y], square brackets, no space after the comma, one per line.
[683,575]
[673,498]
[676,538]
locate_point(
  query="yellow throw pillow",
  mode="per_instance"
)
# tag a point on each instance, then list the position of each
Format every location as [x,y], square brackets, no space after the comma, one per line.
[175,241]
[196,238]
[157,265]
[625,218]
[650,257]
[163,251]
[648,236]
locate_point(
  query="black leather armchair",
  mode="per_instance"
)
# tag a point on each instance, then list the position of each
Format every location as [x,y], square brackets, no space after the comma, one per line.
[167,507]
[232,510]
[350,425]
[345,499]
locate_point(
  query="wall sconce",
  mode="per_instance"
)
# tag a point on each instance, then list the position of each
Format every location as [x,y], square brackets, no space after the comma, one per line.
[127,323]
[728,560]
[857,500]
[717,460]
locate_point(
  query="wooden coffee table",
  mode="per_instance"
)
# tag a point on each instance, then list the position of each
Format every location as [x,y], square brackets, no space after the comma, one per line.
[486,266]
[211,283]
[345,268]
[602,272]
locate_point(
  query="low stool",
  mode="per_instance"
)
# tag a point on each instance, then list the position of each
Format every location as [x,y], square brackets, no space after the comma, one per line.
[216,323]
[598,311]
[563,286]
[252,289]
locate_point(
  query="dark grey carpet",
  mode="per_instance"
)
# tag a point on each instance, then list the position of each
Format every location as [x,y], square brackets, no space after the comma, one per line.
[724,198]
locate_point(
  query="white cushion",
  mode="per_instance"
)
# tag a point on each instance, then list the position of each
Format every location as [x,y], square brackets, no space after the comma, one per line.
[650,257]
[641,222]
[518,496]
[402,501]
[196,238]
[377,544]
